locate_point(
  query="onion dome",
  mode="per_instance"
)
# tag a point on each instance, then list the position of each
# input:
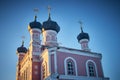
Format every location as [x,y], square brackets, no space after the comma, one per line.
[83,35]
[22,49]
[51,25]
[35,24]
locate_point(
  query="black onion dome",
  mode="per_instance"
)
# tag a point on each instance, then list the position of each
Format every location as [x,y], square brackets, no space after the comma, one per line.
[83,36]
[35,24]
[51,25]
[22,49]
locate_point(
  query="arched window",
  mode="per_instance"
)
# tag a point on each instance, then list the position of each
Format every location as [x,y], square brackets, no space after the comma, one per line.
[91,68]
[70,66]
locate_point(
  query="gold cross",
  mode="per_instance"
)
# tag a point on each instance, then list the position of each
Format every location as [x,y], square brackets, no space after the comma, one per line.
[36,12]
[23,37]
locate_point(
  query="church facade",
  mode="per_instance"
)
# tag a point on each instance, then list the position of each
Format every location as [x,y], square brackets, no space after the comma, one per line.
[49,61]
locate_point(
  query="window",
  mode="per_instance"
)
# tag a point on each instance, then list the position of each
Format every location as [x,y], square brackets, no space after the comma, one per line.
[91,69]
[70,68]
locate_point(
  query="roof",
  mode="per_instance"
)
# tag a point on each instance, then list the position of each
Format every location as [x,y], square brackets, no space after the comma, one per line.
[35,24]
[22,49]
[83,35]
[73,51]
[51,25]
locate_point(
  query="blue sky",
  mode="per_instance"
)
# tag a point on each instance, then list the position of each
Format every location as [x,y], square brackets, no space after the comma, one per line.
[100,19]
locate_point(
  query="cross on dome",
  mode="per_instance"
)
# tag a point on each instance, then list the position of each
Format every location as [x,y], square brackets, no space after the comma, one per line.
[36,10]
[23,37]
[81,26]
[49,9]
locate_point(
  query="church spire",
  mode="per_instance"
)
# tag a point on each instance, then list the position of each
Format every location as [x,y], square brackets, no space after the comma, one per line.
[35,28]
[50,29]
[35,23]
[83,39]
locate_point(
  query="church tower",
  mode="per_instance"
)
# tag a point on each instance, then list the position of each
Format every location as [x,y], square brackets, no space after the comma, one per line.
[35,31]
[83,39]
[28,67]
[35,48]
[49,30]
[21,51]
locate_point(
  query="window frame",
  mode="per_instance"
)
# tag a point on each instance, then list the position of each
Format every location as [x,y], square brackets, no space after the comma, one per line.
[70,67]
[75,66]
[94,67]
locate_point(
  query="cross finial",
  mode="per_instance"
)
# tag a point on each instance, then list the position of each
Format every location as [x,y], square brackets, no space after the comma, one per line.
[80,22]
[23,37]
[49,8]
[36,12]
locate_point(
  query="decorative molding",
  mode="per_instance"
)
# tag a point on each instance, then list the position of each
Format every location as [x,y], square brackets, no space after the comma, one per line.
[79,52]
[31,30]
[83,40]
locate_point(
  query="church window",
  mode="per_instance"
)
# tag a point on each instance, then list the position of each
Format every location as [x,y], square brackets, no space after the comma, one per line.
[70,69]
[91,69]
[70,66]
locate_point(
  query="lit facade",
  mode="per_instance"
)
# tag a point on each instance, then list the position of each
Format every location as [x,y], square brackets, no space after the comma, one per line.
[49,61]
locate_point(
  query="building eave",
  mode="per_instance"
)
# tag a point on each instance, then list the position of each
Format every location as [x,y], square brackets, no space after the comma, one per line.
[79,52]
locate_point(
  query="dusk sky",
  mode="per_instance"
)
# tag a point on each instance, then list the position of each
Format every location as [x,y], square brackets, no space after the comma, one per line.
[101,19]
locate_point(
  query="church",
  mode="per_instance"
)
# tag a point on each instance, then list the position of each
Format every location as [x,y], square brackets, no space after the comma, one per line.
[50,61]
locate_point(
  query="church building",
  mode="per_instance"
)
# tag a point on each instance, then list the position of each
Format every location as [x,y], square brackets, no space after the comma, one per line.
[50,61]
